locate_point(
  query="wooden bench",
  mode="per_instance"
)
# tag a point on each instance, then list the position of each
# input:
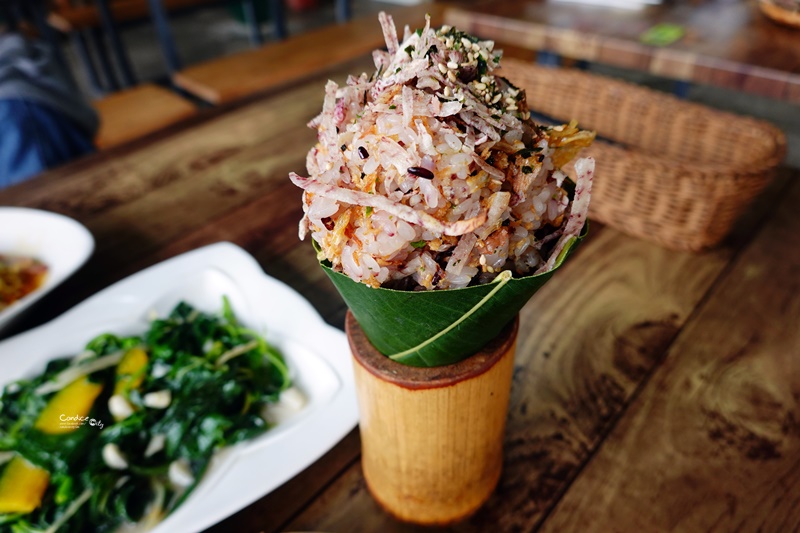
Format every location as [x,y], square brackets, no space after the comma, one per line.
[136,112]
[245,73]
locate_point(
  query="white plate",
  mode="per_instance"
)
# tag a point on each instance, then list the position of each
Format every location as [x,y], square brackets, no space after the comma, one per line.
[57,241]
[317,354]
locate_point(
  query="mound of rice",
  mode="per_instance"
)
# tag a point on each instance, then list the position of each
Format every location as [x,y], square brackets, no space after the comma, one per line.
[430,174]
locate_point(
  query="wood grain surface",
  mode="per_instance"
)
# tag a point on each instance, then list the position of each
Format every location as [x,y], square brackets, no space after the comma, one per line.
[141,198]
[726,43]
[651,387]
[713,442]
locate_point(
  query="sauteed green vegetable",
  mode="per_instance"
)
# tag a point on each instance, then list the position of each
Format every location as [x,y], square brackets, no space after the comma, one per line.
[124,431]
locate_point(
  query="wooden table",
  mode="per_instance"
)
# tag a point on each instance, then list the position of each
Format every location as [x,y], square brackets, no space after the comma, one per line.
[653,390]
[727,43]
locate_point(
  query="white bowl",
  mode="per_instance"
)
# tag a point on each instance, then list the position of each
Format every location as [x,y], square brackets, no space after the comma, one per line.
[59,242]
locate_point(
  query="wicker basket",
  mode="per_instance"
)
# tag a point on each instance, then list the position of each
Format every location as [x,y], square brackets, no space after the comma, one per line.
[688,172]
[781,15]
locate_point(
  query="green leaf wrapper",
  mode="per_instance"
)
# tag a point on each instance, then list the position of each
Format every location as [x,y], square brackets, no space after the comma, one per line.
[439,327]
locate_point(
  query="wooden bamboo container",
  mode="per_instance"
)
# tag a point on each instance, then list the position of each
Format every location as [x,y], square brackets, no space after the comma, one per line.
[432,438]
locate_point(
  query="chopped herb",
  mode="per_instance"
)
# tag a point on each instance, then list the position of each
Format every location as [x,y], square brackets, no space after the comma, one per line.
[432,50]
[418,244]
[397,70]
[525,154]
[392,106]
[409,49]
[482,67]
[418,32]
[368,210]
[343,147]
[527,170]
[362,152]
[365,97]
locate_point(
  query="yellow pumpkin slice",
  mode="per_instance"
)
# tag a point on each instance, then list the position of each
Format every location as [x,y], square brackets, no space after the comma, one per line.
[63,411]
[22,486]
[131,370]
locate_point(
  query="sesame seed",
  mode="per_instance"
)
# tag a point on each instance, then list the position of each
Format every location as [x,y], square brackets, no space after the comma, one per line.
[485,79]
[488,97]
[451,76]
[466,42]
[512,108]
[449,42]
[496,98]
[489,45]
[482,260]
[470,57]
[510,100]
[452,65]
[480,86]
[476,47]
[442,68]
[447,91]
[485,55]
[445,28]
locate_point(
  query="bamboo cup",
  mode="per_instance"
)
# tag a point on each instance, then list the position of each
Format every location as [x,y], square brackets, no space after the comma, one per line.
[432,438]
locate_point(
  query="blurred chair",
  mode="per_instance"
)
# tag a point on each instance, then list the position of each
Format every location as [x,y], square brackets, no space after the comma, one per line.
[128,114]
[83,18]
[89,22]
[246,73]
[277,13]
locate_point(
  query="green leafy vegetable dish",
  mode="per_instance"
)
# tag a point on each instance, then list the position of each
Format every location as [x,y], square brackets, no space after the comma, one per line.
[123,432]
